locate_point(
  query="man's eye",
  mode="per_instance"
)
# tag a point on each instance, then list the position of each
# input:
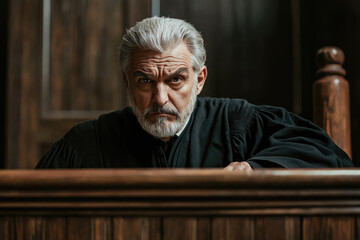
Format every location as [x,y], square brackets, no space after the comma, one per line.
[144,80]
[176,79]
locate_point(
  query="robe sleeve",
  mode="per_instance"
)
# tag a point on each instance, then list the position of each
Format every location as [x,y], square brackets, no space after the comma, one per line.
[274,137]
[77,149]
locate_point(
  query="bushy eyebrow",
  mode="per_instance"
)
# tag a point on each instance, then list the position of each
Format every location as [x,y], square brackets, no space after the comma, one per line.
[140,74]
[177,72]
[184,69]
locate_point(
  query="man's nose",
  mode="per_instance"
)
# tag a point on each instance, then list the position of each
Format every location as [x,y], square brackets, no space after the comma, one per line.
[161,95]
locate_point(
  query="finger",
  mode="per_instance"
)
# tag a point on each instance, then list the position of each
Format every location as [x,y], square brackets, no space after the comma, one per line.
[238,166]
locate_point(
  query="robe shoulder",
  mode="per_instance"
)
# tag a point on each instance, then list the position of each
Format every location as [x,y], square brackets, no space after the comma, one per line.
[273,137]
[77,149]
[80,147]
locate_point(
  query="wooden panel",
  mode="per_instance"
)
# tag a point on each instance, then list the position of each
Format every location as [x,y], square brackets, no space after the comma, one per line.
[232,228]
[328,228]
[192,228]
[101,228]
[357,226]
[141,228]
[84,67]
[241,37]
[277,228]
[28,228]
[54,228]
[78,228]
[256,228]
[63,69]
[7,228]
[23,81]
[204,228]
[4,12]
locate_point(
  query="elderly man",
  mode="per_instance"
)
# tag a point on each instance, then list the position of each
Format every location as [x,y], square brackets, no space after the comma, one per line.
[163,63]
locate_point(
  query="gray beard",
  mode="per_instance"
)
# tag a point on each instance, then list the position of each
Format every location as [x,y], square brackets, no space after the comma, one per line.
[162,128]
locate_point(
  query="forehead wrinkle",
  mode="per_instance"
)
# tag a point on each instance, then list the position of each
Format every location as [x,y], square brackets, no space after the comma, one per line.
[157,64]
[161,67]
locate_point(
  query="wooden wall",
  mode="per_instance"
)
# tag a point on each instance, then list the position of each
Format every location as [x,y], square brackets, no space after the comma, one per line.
[249,47]
[259,50]
[63,69]
[180,228]
[3,74]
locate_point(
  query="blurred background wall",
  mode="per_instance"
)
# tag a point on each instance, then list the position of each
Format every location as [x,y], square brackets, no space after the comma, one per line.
[60,59]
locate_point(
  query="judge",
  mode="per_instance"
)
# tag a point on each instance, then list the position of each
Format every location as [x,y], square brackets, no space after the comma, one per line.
[168,126]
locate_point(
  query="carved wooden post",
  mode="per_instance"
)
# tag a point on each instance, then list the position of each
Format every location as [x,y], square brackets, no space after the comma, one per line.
[331,97]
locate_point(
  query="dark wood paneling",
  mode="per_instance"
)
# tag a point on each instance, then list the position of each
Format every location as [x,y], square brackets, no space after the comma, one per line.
[84,64]
[79,228]
[277,228]
[77,79]
[328,228]
[7,228]
[249,47]
[357,227]
[4,11]
[141,228]
[24,58]
[27,228]
[258,228]
[102,228]
[192,228]
[232,228]
[54,228]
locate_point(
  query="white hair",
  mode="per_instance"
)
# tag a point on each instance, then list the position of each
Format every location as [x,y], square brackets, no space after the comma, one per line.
[161,34]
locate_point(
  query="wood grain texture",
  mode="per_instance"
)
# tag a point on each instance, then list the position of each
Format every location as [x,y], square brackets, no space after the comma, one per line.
[260,227]
[331,96]
[7,228]
[24,72]
[84,77]
[84,65]
[167,192]
[54,228]
[192,228]
[328,228]
[233,228]
[79,228]
[179,204]
[286,228]
[101,228]
[357,227]
[142,228]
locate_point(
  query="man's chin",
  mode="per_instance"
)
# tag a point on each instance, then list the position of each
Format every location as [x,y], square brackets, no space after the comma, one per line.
[161,130]
[161,119]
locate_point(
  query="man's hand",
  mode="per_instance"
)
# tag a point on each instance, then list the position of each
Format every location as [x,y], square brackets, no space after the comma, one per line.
[238,166]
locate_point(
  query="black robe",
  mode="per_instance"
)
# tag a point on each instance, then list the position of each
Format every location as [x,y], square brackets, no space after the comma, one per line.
[219,132]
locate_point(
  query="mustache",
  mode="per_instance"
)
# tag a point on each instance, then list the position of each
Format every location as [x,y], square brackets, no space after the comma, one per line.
[166,109]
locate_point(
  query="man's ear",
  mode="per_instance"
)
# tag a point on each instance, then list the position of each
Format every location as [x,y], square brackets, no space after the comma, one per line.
[201,80]
[125,79]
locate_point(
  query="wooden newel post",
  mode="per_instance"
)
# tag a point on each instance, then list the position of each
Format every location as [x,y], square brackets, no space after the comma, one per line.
[331,97]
